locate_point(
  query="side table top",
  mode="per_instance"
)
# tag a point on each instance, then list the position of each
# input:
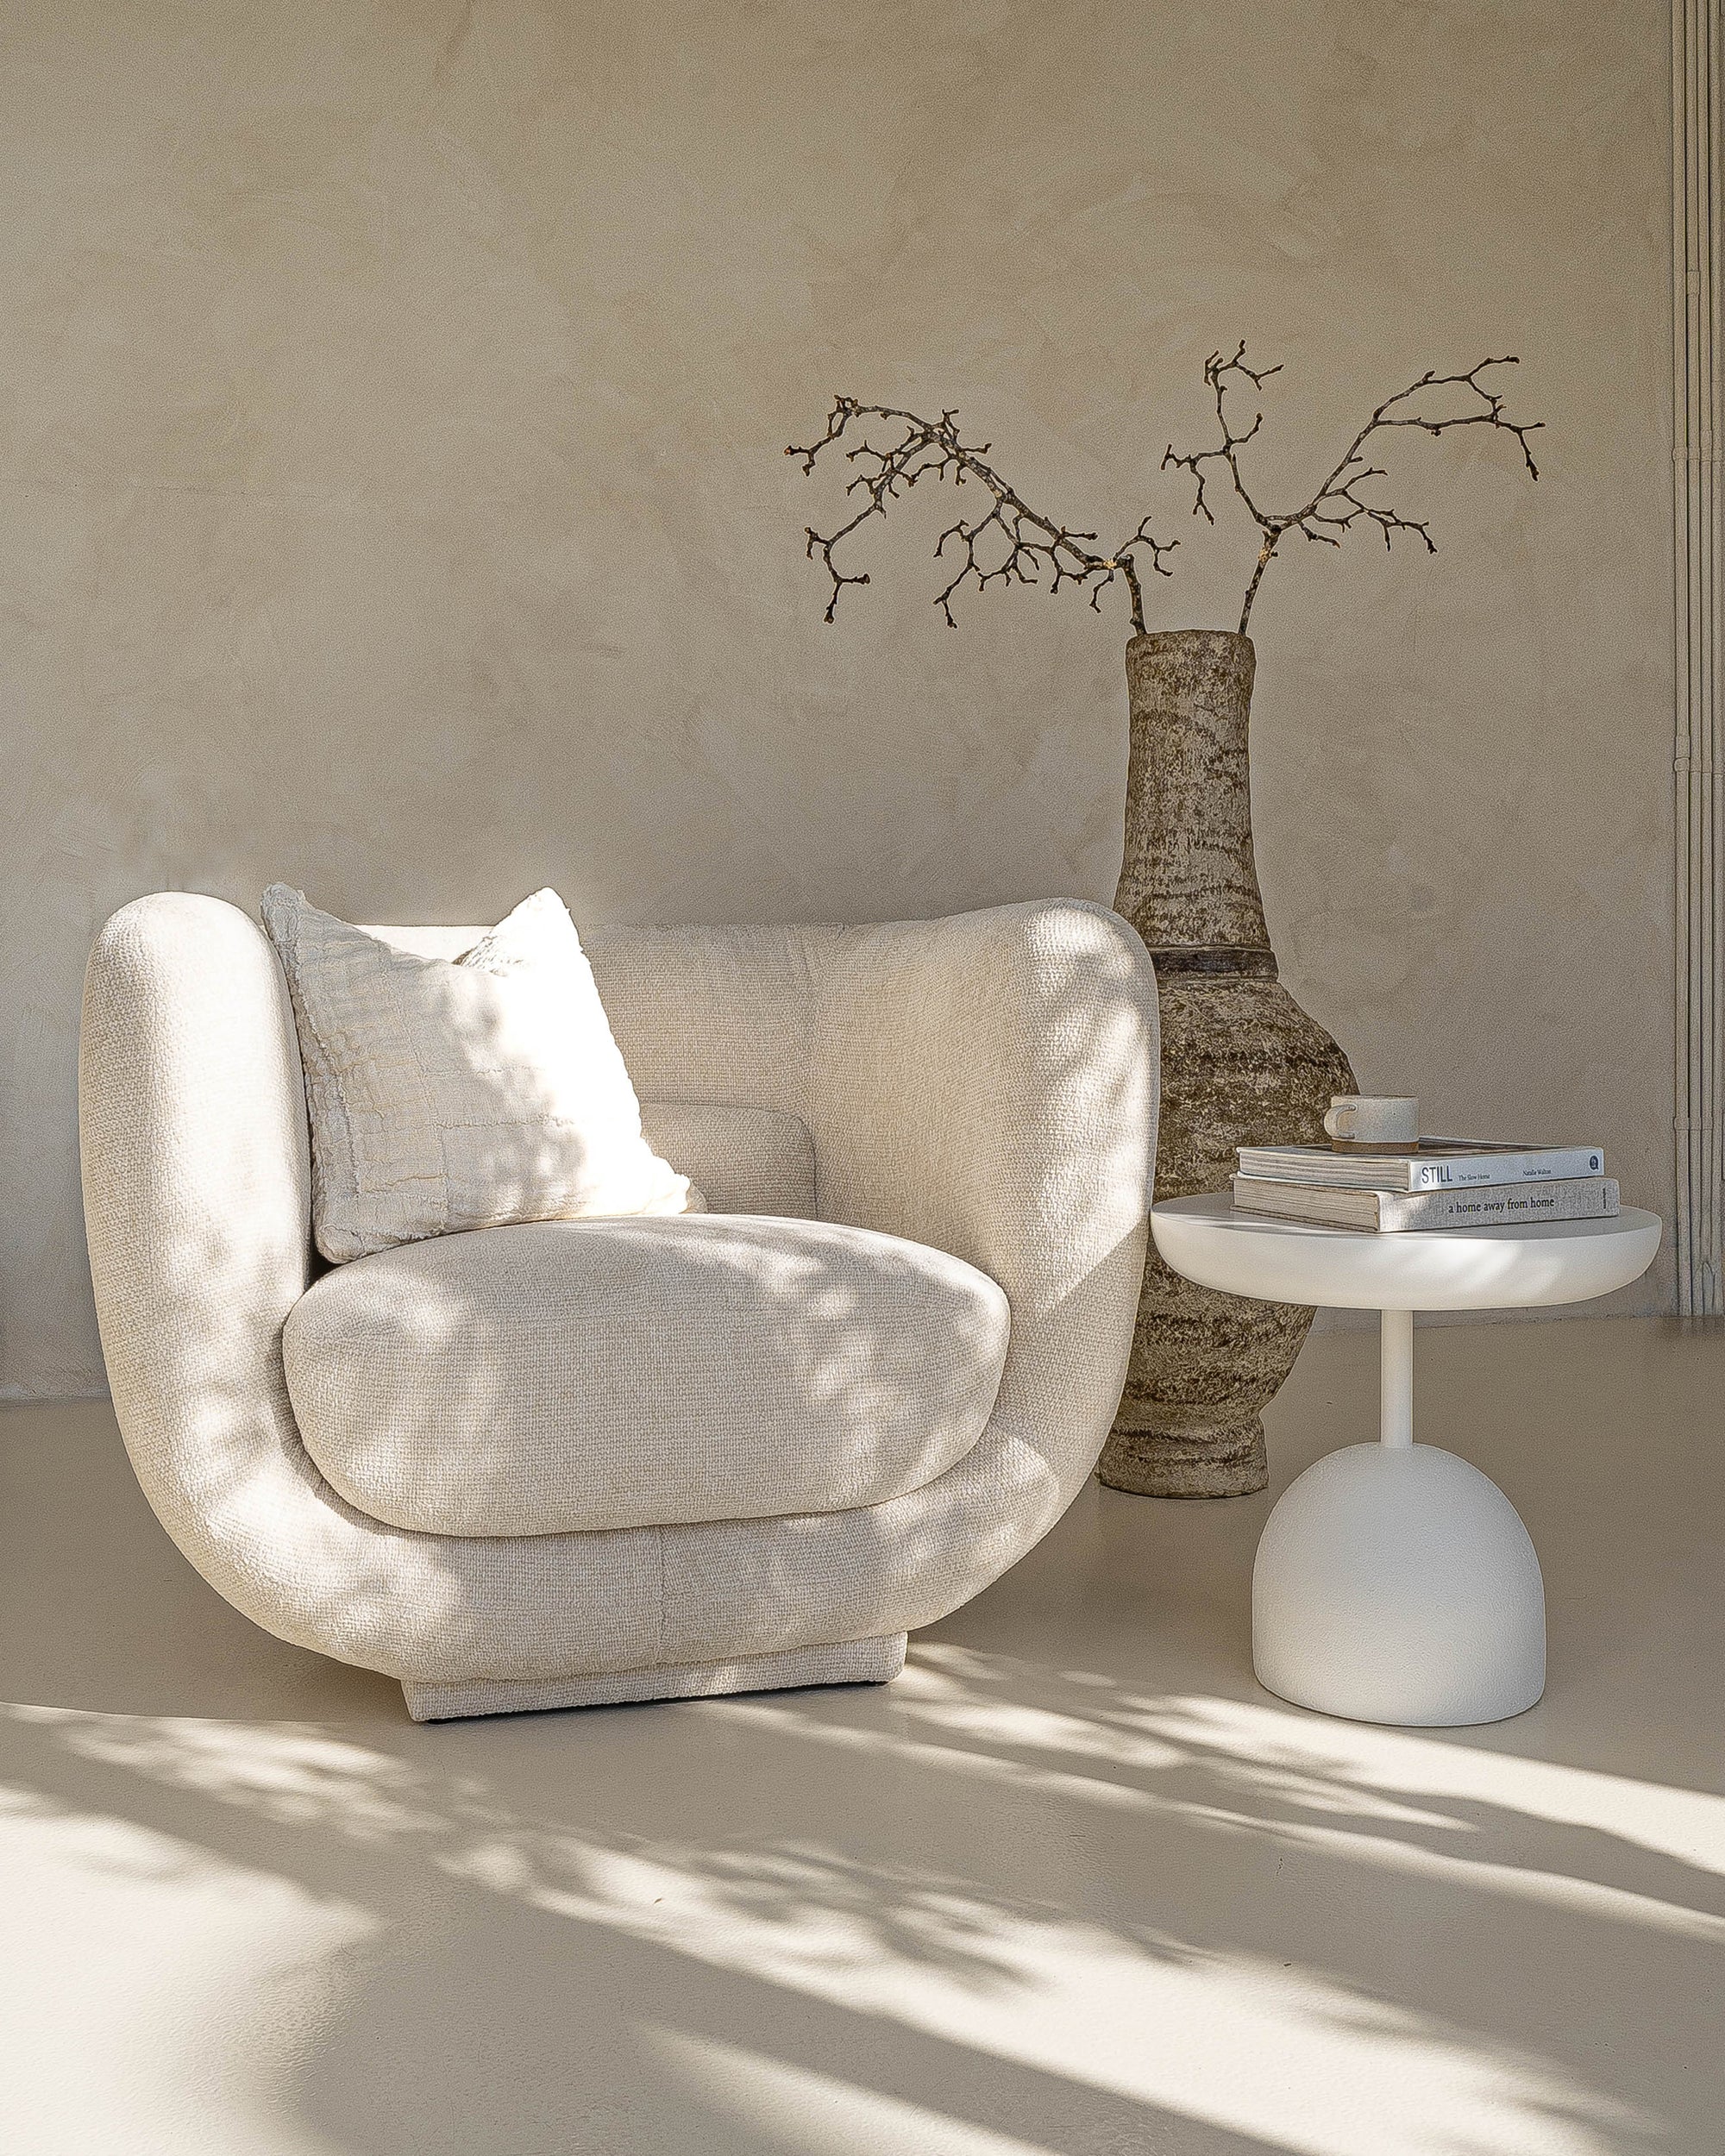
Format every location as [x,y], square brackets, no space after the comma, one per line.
[1509,1267]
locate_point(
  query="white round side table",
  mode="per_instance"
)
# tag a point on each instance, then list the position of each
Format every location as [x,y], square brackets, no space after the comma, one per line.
[1394,1581]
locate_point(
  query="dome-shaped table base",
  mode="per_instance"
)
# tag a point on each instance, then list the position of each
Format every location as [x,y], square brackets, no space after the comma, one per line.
[1396,1583]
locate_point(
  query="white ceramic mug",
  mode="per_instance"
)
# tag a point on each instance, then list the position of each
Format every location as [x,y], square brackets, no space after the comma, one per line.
[1367,1121]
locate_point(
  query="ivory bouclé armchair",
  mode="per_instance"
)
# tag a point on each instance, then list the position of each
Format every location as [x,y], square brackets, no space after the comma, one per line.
[573,1462]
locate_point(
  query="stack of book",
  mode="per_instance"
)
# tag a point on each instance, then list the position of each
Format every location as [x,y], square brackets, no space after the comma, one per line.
[1430,1182]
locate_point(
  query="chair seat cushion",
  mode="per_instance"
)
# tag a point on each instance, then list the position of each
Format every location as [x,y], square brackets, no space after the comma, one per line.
[628,1373]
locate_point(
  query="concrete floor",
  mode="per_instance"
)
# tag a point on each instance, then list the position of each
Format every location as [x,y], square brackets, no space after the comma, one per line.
[1074,1883]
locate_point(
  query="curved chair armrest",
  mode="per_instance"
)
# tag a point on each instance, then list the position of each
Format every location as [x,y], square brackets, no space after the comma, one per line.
[988,1083]
[198,1213]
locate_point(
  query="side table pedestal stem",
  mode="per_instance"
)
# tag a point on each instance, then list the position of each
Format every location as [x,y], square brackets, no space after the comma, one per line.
[1395,1376]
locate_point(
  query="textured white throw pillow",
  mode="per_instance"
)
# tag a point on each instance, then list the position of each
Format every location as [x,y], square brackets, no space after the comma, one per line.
[467,1094]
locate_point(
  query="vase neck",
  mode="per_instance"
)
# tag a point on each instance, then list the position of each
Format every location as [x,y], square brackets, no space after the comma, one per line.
[1188,878]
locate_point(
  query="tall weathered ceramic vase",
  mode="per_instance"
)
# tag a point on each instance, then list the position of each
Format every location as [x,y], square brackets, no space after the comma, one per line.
[1242,1064]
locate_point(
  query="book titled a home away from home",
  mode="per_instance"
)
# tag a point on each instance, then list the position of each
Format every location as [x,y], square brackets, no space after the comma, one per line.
[1484,1206]
[1426,1163]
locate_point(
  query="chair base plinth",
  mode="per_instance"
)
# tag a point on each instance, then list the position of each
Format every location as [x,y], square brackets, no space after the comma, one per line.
[853,1662]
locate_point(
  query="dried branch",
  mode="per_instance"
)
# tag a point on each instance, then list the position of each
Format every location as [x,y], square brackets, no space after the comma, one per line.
[1337,507]
[1012,542]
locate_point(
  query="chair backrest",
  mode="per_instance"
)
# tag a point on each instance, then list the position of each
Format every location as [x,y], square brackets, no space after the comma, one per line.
[717,1026]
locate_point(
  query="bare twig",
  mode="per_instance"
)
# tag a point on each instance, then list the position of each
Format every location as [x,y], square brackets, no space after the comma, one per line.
[1011,540]
[1336,507]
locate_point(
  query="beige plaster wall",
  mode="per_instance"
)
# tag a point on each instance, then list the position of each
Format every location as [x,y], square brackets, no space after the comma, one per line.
[391,499]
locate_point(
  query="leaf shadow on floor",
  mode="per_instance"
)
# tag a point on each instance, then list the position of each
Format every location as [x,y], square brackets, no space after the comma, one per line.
[768,1923]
